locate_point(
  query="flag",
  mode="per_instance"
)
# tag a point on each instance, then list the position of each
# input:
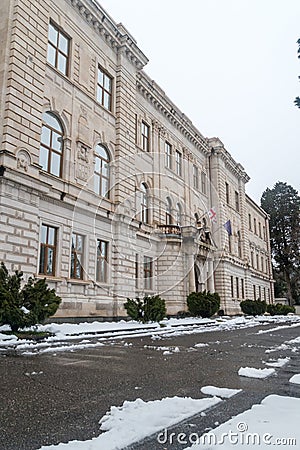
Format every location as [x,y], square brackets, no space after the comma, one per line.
[227,227]
[212,215]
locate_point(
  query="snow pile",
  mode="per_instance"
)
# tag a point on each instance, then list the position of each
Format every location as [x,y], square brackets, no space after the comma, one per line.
[200,345]
[134,421]
[251,372]
[279,363]
[295,379]
[261,427]
[219,392]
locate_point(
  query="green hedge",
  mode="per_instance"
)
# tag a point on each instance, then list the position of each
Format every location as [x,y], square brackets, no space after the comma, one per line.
[253,307]
[278,309]
[26,306]
[149,309]
[203,304]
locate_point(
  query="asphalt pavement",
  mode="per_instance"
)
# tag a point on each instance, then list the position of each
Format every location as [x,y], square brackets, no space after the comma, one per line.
[52,398]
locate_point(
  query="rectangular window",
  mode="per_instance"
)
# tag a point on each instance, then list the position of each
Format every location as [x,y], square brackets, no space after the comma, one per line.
[136,270]
[254,292]
[259,292]
[249,220]
[257,261]
[227,193]
[259,229]
[237,288]
[195,177]
[47,250]
[237,201]
[229,243]
[203,183]
[264,233]
[262,264]
[145,137]
[104,89]
[252,259]
[243,288]
[178,163]
[254,223]
[168,152]
[232,287]
[102,261]
[148,272]
[265,295]
[77,256]
[58,49]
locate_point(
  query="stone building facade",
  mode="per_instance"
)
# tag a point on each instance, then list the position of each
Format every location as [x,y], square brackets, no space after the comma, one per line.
[106,188]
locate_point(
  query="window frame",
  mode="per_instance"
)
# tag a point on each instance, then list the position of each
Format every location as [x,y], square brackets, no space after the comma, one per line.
[59,51]
[195,177]
[99,174]
[145,137]
[100,88]
[144,203]
[74,259]
[48,246]
[49,148]
[148,273]
[168,155]
[102,260]
[203,183]
[169,216]
[237,201]
[178,163]
[227,193]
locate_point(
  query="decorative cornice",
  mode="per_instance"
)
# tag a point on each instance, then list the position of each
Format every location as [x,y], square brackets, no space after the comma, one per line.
[217,148]
[115,35]
[155,95]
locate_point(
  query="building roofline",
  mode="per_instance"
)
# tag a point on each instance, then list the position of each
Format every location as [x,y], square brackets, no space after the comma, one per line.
[256,206]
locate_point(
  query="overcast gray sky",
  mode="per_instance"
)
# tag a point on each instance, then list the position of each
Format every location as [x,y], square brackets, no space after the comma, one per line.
[231,66]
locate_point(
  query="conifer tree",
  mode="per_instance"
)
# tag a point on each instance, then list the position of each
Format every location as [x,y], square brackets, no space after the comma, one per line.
[282,203]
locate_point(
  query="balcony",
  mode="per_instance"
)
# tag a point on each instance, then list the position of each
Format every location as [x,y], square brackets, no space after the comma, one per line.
[170,230]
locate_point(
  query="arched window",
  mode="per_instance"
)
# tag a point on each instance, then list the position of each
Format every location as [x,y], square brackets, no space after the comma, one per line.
[178,215]
[51,148]
[144,203]
[101,173]
[168,211]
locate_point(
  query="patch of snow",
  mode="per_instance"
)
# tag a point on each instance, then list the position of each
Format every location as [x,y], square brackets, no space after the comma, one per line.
[251,372]
[201,344]
[295,379]
[219,392]
[279,363]
[133,421]
[261,427]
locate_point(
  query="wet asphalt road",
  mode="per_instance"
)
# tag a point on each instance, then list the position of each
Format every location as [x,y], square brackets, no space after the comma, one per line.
[75,390]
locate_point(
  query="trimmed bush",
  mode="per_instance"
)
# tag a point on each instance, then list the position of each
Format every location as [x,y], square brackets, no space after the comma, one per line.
[203,304]
[149,309]
[25,306]
[253,307]
[278,309]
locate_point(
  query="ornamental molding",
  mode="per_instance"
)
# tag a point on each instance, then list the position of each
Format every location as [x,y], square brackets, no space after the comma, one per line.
[115,35]
[156,96]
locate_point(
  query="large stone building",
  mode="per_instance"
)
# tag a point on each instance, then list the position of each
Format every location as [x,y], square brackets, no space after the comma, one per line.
[106,187]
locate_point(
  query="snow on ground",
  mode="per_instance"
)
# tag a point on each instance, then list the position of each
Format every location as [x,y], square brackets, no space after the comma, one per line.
[283,327]
[133,421]
[295,379]
[251,372]
[219,392]
[104,332]
[274,422]
[279,363]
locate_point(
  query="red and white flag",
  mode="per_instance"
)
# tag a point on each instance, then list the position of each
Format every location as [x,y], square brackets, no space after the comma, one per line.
[212,215]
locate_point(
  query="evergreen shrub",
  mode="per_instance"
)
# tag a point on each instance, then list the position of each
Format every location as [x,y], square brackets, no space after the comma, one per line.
[278,309]
[204,304]
[149,309]
[25,306]
[253,307]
